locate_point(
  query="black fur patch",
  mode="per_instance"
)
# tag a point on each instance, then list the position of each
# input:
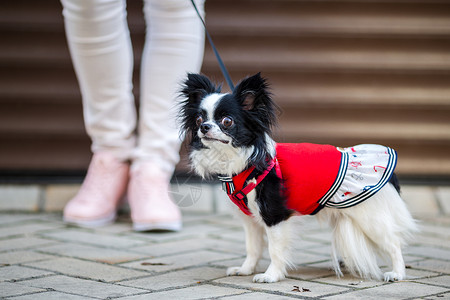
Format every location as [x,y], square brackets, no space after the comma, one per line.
[271,200]
[394,181]
[195,88]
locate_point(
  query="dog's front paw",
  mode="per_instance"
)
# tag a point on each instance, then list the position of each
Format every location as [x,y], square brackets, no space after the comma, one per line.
[393,276]
[238,271]
[266,278]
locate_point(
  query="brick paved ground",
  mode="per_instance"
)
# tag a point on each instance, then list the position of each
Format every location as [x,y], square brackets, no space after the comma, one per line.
[42,258]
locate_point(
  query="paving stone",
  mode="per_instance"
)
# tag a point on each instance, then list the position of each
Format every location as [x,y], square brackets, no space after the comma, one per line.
[89,270]
[57,196]
[420,200]
[223,203]
[233,235]
[408,258]
[197,217]
[443,280]
[176,279]
[49,260]
[308,273]
[326,265]
[440,220]
[323,236]
[225,220]
[323,250]
[51,296]
[285,286]
[429,252]
[195,244]
[76,235]
[174,262]
[14,218]
[432,265]
[397,290]
[122,226]
[24,243]
[8,289]
[443,197]
[189,293]
[262,265]
[189,231]
[195,197]
[432,241]
[17,273]
[105,255]
[82,287]
[413,274]
[301,244]
[26,197]
[350,281]
[26,229]
[435,230]
[304,257]
[257,296]
[22,256]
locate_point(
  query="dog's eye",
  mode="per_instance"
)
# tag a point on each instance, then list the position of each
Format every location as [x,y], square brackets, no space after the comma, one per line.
[199,120]
[227,122]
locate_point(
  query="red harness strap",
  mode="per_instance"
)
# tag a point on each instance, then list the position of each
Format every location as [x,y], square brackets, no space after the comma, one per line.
[238,197]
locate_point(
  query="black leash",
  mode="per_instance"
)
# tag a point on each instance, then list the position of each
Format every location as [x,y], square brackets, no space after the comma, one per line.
[219,59]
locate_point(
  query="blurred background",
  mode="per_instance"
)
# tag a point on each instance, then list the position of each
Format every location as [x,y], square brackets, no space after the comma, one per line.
[343,72]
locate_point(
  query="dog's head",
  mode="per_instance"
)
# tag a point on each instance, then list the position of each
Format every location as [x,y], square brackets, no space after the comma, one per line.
[228,132]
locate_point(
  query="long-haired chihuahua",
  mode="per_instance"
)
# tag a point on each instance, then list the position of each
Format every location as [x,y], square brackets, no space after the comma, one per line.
[354,189]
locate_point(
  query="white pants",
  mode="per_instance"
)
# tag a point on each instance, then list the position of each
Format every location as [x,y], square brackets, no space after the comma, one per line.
[100,46]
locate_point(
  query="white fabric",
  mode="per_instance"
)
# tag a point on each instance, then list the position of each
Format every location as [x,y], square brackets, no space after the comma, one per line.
[100,46]
[369,168]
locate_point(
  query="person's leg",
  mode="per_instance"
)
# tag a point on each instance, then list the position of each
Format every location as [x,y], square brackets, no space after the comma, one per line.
[100,47]
[174,46]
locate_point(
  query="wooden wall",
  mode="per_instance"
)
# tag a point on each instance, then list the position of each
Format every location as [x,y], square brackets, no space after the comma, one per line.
[343,72]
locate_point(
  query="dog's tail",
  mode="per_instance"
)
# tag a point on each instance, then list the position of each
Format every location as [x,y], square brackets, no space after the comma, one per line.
[356,251]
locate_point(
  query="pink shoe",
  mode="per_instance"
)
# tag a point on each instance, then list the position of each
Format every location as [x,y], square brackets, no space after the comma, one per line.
[98,198]
[150,203]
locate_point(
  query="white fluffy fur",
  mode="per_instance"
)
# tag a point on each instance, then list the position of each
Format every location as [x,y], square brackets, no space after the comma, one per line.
[219,158]
[379,225]
[279,243]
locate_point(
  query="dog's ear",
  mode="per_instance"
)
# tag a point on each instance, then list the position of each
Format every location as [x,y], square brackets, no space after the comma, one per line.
[196,87]
[252,92]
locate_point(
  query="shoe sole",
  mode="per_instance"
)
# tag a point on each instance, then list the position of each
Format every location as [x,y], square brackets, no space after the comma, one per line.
[109,219]
[158,226]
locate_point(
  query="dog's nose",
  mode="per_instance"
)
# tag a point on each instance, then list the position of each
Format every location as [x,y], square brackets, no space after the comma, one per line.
[205,127]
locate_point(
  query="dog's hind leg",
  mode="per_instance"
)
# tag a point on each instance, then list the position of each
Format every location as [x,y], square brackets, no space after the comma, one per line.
[386,221]
[354,247]
[254,242]
[399,228]
[398,265]
[279,248]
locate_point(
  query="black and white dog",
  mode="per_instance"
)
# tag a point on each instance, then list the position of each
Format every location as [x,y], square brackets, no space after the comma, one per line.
[353,188]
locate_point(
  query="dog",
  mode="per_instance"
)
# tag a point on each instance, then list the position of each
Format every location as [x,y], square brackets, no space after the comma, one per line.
[354,189]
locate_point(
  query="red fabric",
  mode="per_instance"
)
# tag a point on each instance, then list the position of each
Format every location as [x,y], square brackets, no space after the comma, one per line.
[309,171]
[241,191]
[239,179]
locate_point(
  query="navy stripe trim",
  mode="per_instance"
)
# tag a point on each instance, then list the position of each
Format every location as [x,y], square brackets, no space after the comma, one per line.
[392,163]
[339,179]
[227,184]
